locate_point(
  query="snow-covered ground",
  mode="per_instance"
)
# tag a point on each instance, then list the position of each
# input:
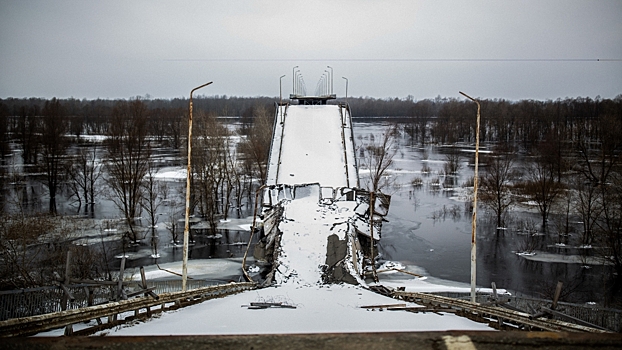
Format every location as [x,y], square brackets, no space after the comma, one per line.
[313,307]
[319,309]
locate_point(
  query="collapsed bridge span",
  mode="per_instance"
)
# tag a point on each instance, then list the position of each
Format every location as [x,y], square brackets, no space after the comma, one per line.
[316,218]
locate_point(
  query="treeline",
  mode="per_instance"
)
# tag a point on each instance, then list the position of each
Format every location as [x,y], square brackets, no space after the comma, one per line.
[93,116]
[524,122]
[121,167]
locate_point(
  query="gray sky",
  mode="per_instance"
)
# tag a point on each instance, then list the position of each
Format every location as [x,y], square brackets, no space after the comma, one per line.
[491,49]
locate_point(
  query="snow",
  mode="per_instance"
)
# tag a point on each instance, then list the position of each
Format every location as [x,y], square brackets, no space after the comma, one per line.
[319,309]
[306,227]
[309,148]
[563,258]
[171,174]
[92,138]
[208,269]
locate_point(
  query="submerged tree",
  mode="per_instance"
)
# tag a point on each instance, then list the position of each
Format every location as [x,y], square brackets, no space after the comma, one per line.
[28,132]
[152,199]
[54,143]
[495,185]
[542,186]
[256,145]
[84,173]
[588,205]
[209,158]
[452,161]
[128,159]
[4,130]
[609,225]
[378,158]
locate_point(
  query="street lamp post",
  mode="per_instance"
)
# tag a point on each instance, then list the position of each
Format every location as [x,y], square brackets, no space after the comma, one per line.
[294,80]
[332,77]
[281,89]
[301,89]
[474,221]
[327,82]
[281,95]
[184,268]
[297,89]
[346,89]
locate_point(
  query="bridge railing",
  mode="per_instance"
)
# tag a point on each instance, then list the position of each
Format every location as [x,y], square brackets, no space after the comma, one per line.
[44,300]
[603,317]
[114,313]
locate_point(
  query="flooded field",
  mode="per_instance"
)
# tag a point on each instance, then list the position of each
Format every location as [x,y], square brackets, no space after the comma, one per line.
[428,228]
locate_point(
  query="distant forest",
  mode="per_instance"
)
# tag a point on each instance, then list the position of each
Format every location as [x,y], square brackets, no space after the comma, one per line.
[522,123]
[233,106]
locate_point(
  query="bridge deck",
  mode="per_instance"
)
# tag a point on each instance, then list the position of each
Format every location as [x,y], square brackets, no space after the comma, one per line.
[313,144]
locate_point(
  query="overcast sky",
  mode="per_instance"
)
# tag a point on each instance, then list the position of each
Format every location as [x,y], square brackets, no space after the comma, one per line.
[531,49]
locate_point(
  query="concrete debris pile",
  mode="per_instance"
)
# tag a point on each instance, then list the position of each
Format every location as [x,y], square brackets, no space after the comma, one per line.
[314,234]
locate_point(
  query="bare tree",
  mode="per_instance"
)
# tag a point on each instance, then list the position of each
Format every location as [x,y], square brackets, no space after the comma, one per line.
[4,130]
[256,146]
[209,157]
[33,249]
[28,131]
[452,161]
[54,145]
[600,166]
[588,205]
[609,225]
[542,187]
[128,159]
[172,225]
[235,175]
[378,159]
[83,174]
[495,185]
[151,202]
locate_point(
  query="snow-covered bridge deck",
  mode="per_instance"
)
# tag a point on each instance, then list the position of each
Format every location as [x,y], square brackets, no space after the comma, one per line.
[313,144]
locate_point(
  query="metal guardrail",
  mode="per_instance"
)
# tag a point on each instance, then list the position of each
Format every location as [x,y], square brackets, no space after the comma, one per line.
[501,315]
[44,300]
[40,323]
[608,318]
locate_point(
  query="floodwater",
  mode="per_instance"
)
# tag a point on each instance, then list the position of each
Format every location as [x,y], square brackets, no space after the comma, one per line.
[428,229]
